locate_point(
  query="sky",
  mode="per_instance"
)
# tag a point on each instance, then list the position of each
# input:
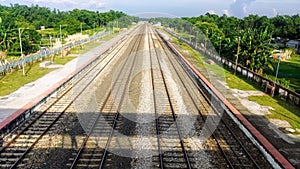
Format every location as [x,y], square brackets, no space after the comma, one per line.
[178,8]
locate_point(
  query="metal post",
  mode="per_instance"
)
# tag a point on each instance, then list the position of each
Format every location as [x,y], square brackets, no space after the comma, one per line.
[108,27]
[118,23]
[196,39]
[81,28]
[22,57]
[206,36]
[94,27]
[277,67]
[190,34]
[50,41]
[237,55]
[220,46]
[61,41]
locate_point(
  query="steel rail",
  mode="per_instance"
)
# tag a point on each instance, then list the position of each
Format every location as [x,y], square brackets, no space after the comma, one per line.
[155,109]
[74,163]
[118,110]
[61,97]
[173,113]
[225,124]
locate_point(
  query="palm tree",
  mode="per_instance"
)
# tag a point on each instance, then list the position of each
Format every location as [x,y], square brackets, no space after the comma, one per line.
[256,49]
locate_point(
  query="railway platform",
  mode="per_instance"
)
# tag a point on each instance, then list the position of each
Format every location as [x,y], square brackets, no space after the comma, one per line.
[30,94]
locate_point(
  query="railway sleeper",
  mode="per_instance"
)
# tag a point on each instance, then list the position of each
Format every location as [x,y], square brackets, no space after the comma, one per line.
[33,134]
[10,154]
[175,165]
[87,166]
[23,141]
[88,161]
[86,155]
[6,160]
[174,159]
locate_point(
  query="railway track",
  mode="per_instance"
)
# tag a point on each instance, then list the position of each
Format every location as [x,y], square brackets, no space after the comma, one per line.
[186,128]
[172,151]
[102,128]
[22,140]
[235,147]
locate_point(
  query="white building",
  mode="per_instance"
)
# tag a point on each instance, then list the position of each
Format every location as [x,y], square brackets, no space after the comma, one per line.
[295,44]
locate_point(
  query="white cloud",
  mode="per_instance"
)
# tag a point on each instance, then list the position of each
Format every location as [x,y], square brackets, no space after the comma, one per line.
[226,12]
[53,1]
[211,12]
[275,11]
[239,7]
[94,4]
[245,10]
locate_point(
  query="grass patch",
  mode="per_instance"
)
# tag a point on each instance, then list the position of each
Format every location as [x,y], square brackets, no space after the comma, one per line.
[88,46]
[190,52]
[240,82]
[61,60]
[233,81]
[282,109]
[13,81]
[289,70]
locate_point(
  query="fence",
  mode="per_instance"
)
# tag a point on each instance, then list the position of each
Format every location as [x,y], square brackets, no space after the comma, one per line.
[18,63]
[270,86]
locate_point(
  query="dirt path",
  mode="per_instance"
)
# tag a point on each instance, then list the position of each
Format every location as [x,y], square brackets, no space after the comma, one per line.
[257,109]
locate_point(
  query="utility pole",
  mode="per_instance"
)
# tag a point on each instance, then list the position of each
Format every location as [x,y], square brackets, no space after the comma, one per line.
[94,27]
[196,39]
[61,41]
[50,41]
[220,46]
[22,57]
[237,55]
[278,58]
[206,36]
[81,28]
[118,23]
[190,34]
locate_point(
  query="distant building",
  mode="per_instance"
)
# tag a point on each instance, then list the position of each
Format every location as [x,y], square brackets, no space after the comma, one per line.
[295,44]
[278,41]
[158,24]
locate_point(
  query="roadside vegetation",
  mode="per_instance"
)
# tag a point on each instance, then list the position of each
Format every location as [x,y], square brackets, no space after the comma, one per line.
[281,109]
[288,73]
[233,81]
[38,27]
[250,41]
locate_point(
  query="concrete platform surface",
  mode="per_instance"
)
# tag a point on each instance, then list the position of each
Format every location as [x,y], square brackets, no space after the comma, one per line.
[30,94]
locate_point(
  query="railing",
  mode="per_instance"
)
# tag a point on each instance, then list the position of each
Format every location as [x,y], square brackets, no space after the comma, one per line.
[18,63]
[270,86]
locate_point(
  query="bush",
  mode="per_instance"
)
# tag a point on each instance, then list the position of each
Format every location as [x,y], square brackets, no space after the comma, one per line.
[284,82]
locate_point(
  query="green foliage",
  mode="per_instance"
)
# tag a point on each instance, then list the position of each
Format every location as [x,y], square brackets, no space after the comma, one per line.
[284,82]
[30,19]
[255,34]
